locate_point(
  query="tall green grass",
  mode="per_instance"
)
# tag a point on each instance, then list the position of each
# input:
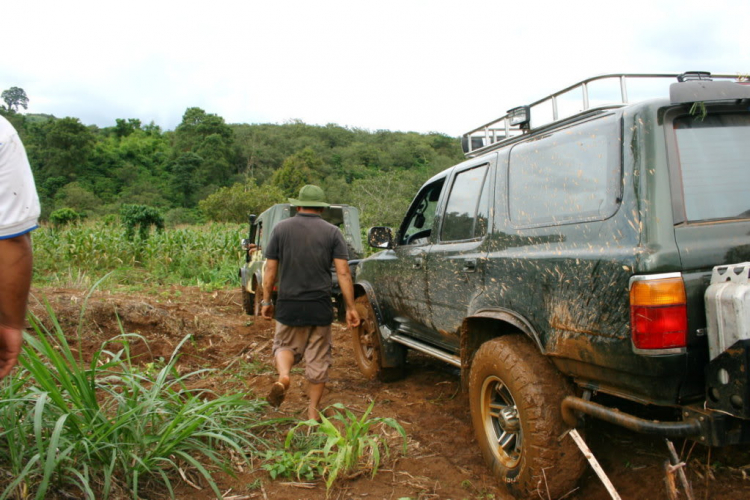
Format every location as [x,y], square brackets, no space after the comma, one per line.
[79,255]
[107,428]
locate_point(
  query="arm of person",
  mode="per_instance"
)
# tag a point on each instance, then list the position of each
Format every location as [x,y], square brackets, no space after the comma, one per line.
[15,281]
[269,278]
[347,290]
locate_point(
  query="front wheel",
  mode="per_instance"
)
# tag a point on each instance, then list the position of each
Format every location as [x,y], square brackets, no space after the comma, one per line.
[368,349]
[247,301]
[257,299]
[515,395]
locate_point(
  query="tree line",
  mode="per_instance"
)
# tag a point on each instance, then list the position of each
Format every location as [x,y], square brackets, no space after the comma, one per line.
[207,169]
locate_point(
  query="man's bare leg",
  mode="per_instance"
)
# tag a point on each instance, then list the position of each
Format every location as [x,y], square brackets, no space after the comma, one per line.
[284,363]
[316,394]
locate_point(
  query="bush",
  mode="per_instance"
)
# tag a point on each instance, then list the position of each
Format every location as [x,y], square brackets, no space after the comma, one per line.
[64,216]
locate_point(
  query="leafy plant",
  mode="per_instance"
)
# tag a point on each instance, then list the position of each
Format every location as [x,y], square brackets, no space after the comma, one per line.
[64,216]
[143,218]
[334,447]
[106,428]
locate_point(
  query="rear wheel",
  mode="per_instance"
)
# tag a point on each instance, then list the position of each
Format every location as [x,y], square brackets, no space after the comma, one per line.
[368,350]
[515,395]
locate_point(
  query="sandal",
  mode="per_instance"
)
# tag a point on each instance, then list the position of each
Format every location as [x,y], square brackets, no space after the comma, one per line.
[276,395]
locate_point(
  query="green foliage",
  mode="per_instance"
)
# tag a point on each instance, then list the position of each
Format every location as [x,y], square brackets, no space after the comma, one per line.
[298,170]
[64,216]
[334,446]
[14,98]
[206,256]
[75,196]
[137,164]
[103,428]
[143,218]
[234,204]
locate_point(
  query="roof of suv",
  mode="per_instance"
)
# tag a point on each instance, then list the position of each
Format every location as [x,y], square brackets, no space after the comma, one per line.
[595,97]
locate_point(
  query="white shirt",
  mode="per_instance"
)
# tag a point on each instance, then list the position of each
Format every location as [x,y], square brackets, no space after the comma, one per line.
[19,202]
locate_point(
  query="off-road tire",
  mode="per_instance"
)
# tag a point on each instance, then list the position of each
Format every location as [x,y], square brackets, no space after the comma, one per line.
[257,299]
[515,395]
[368,348]
[247,301]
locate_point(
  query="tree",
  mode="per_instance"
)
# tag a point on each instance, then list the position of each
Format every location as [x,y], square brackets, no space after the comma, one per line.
[235,203]
[299,169]
[14,98]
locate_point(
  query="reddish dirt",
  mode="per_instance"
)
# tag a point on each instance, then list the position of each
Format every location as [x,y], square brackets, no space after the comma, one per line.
[443,460]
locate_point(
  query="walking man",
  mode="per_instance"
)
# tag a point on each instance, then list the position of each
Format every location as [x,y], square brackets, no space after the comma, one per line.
[300,252]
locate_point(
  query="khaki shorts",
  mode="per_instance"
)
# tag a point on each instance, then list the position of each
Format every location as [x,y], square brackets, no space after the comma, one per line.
[313,343]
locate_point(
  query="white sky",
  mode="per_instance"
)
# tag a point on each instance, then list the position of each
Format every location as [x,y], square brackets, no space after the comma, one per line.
[410,65]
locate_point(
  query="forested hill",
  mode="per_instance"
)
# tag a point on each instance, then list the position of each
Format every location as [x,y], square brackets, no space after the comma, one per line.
[207,169]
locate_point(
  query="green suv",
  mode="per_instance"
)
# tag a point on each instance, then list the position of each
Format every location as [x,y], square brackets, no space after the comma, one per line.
[602,252]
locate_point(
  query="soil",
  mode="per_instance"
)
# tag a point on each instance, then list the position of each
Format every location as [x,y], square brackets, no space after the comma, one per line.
[443,460]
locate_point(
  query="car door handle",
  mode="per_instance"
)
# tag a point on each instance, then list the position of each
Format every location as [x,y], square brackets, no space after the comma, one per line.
[470,265]
[417,263]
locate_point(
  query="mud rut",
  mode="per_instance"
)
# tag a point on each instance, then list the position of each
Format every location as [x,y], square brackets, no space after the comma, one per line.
[443,460]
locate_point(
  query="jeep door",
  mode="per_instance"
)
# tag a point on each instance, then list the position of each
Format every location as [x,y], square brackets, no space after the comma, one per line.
[456,261]
[403,284]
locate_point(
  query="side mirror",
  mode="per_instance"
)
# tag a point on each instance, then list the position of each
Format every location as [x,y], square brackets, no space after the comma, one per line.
[380,237]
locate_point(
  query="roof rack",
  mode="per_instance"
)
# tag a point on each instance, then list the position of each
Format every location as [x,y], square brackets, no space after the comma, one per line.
[518,121]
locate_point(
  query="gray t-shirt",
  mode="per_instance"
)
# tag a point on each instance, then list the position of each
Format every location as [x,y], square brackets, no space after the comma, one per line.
[305,246]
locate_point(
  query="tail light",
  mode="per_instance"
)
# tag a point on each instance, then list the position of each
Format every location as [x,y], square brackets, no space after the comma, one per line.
[658,313]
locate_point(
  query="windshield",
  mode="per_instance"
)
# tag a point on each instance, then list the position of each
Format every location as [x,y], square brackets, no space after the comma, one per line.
[715,162]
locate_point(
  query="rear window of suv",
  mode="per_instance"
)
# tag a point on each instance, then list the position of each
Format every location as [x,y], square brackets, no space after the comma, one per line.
[714,157]
[567,176]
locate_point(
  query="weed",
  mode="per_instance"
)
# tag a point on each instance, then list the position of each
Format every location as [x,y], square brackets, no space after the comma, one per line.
[334,446]
[104,428]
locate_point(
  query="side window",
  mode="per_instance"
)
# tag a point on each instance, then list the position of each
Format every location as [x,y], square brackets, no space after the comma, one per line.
[417,226]
[569,175]
[466,210]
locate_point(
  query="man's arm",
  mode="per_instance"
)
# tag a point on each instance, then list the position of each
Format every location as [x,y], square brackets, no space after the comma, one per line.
[347,290]
[269,278]
[15,281]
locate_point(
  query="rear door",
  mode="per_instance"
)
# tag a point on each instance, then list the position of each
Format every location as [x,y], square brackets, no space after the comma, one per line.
[456,261]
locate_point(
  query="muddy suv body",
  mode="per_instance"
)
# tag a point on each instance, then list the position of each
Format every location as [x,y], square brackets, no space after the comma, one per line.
[345,217]
[576,258]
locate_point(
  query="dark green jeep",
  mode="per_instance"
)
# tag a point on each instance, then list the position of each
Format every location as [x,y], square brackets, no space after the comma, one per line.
[604,252]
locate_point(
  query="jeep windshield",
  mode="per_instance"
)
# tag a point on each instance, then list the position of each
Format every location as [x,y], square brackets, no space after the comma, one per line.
[714,157]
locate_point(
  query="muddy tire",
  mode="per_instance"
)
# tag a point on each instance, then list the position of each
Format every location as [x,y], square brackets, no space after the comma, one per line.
[257,299]
[515,395]
[247,301]
[368,348]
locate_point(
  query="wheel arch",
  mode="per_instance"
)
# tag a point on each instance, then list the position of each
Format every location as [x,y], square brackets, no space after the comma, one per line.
[485,325]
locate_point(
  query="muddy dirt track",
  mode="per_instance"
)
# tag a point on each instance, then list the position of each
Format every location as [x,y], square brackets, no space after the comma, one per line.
[443,460]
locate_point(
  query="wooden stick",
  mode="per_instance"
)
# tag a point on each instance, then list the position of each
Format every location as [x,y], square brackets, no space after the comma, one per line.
[594,464]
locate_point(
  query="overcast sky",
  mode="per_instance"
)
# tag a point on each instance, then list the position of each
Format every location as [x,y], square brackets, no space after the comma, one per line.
[410,65]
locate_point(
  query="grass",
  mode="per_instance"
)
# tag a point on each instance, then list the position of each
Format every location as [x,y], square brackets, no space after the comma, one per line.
[333,447]
[77,256]
[107,428]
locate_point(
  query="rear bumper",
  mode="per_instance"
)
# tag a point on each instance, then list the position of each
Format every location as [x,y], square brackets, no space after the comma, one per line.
[707,426]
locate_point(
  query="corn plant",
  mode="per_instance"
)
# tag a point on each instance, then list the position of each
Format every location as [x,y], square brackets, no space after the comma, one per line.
[333,447]
[107,427]
[208,255]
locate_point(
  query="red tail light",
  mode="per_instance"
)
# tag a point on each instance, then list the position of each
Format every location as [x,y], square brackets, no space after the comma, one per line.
[658,313]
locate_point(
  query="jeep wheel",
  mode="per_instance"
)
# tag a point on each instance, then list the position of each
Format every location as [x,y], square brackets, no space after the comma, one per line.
[515,395]
[247,301]
[367,347]
[257,299]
